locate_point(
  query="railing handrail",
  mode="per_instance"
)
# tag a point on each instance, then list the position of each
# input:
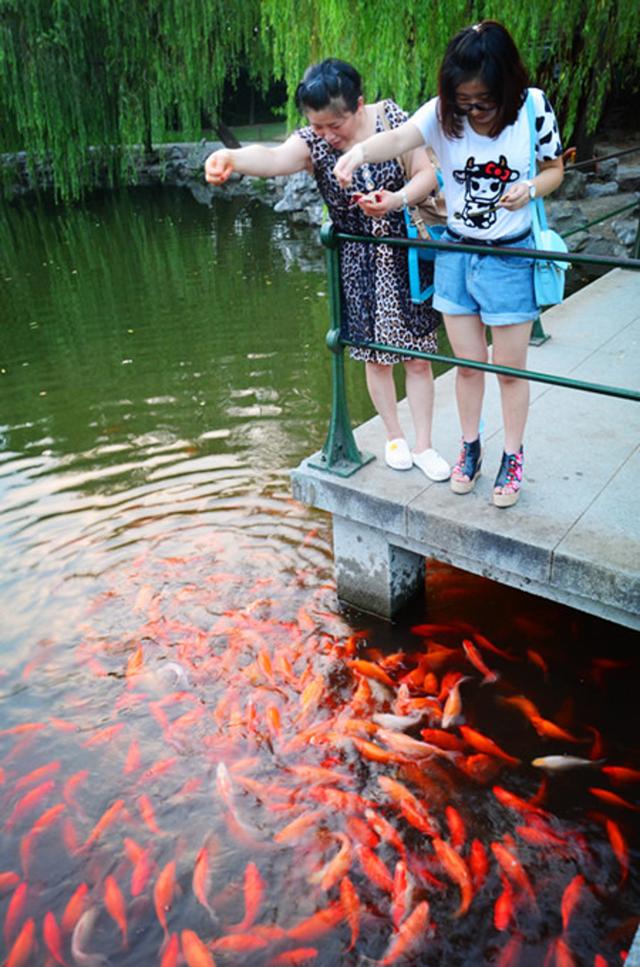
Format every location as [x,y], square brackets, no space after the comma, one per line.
[340,454]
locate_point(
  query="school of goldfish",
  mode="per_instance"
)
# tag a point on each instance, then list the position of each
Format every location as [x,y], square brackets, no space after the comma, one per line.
[265,786]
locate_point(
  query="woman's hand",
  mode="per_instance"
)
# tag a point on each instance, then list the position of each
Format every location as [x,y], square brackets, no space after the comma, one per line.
[516,197]
[347,164]
[218,166]
[378,203]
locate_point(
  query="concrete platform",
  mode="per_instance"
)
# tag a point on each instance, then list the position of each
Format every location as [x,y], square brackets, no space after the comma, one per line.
[573,537]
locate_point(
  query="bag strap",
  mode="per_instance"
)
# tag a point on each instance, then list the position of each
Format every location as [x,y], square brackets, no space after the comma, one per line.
[413,211]
[538,214]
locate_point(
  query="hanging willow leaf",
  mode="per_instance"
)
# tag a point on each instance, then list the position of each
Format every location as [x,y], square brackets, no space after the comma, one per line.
[82,82]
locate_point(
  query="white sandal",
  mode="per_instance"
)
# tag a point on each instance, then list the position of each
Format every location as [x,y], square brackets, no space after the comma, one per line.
[397,454]
[432,465]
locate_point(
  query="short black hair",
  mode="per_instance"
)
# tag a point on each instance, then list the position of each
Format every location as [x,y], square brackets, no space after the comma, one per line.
[485,51]
[328,82]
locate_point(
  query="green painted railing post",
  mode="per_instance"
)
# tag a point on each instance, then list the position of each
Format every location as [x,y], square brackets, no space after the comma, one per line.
[340,454]
[538,335]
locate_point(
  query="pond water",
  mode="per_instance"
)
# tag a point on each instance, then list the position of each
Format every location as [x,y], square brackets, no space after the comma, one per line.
[189,760]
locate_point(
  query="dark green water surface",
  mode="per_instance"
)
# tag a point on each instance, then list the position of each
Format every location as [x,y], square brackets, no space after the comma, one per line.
[173,656]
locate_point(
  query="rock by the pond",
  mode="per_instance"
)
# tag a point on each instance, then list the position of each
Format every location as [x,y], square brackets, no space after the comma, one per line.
[565,217]
[573,185]
[625,229]
[629,177]
[599,189]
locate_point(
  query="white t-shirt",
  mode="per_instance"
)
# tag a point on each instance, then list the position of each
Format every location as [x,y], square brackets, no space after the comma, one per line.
[478,169]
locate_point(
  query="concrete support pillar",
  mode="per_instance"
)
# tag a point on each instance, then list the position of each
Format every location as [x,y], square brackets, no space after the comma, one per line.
[371,573]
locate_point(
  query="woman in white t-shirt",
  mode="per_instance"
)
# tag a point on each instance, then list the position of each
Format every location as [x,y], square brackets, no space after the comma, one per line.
[479,129]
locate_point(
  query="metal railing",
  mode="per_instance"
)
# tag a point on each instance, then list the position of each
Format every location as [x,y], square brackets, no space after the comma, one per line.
[340,454]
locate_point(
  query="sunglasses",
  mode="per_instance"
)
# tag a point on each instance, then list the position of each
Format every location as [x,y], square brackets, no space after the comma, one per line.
[473,106]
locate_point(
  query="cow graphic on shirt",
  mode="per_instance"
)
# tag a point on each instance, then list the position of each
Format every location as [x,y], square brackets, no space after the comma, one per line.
[484,186]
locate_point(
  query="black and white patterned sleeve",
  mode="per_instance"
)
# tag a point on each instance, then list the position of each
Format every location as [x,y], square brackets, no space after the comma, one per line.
[548,143]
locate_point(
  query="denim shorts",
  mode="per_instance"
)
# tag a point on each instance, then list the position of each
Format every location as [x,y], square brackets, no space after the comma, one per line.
[498,288]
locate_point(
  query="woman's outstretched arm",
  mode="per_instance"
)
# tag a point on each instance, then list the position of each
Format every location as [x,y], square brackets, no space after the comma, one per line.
[258,160]
[380,147]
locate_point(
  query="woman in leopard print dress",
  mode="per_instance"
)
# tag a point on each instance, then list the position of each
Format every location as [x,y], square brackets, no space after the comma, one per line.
[375,280]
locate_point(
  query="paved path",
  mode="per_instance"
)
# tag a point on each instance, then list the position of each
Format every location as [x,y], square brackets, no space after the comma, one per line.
[574,536]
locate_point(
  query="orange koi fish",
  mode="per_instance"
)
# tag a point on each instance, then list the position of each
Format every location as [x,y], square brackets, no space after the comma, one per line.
[40,825]
[195,951]
[401,894]
[157,769]
[74,908]
[316,774]
[22,949]
[511,865]
[613,799]
[511,801]
[483,642]
[536,659]
[115,906]
[457,870]
[484,744]
[510,954]
[549,730]
[15,912]
[478,864]
[163,894]
[383,828]
[562,953]
[8,879]
[619,847]
[29,801]
[475,658]
[103,736]
[482,767]
[412,809]
[446,740]
[297,828]
[148,814]
[371,670]
[410,934]
[375,752]
[254,889]
[361,832]
[36,775]
[71,785]
[200,882]
[457,829]
[620,774]
[503,907]
[570,899]
[337,867]
[24,729]
[291,958]
[108,817]
[318,924]
[412,748]
[133,762]
[453,705]
[351,906]
[53,938]
[171,952]
[239,943]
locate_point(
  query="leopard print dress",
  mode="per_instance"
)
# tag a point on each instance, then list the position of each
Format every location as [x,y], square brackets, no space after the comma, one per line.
[376,303]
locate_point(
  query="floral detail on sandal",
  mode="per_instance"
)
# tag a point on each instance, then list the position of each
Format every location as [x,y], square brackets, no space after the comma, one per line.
[509,480]
[468,465]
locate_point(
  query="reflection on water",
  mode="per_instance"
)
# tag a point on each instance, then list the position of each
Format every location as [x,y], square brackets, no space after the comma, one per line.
[187,741]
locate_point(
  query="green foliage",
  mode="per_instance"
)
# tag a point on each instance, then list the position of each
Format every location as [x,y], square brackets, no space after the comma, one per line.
[101,73]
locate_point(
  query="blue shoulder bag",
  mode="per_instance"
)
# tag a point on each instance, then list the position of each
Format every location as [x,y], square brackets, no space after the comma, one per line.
[548,275]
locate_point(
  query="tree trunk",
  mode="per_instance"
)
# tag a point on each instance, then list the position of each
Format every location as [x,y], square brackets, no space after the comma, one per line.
[225,134]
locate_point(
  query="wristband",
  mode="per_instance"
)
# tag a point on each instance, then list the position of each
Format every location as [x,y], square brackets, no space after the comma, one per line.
[405,198]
